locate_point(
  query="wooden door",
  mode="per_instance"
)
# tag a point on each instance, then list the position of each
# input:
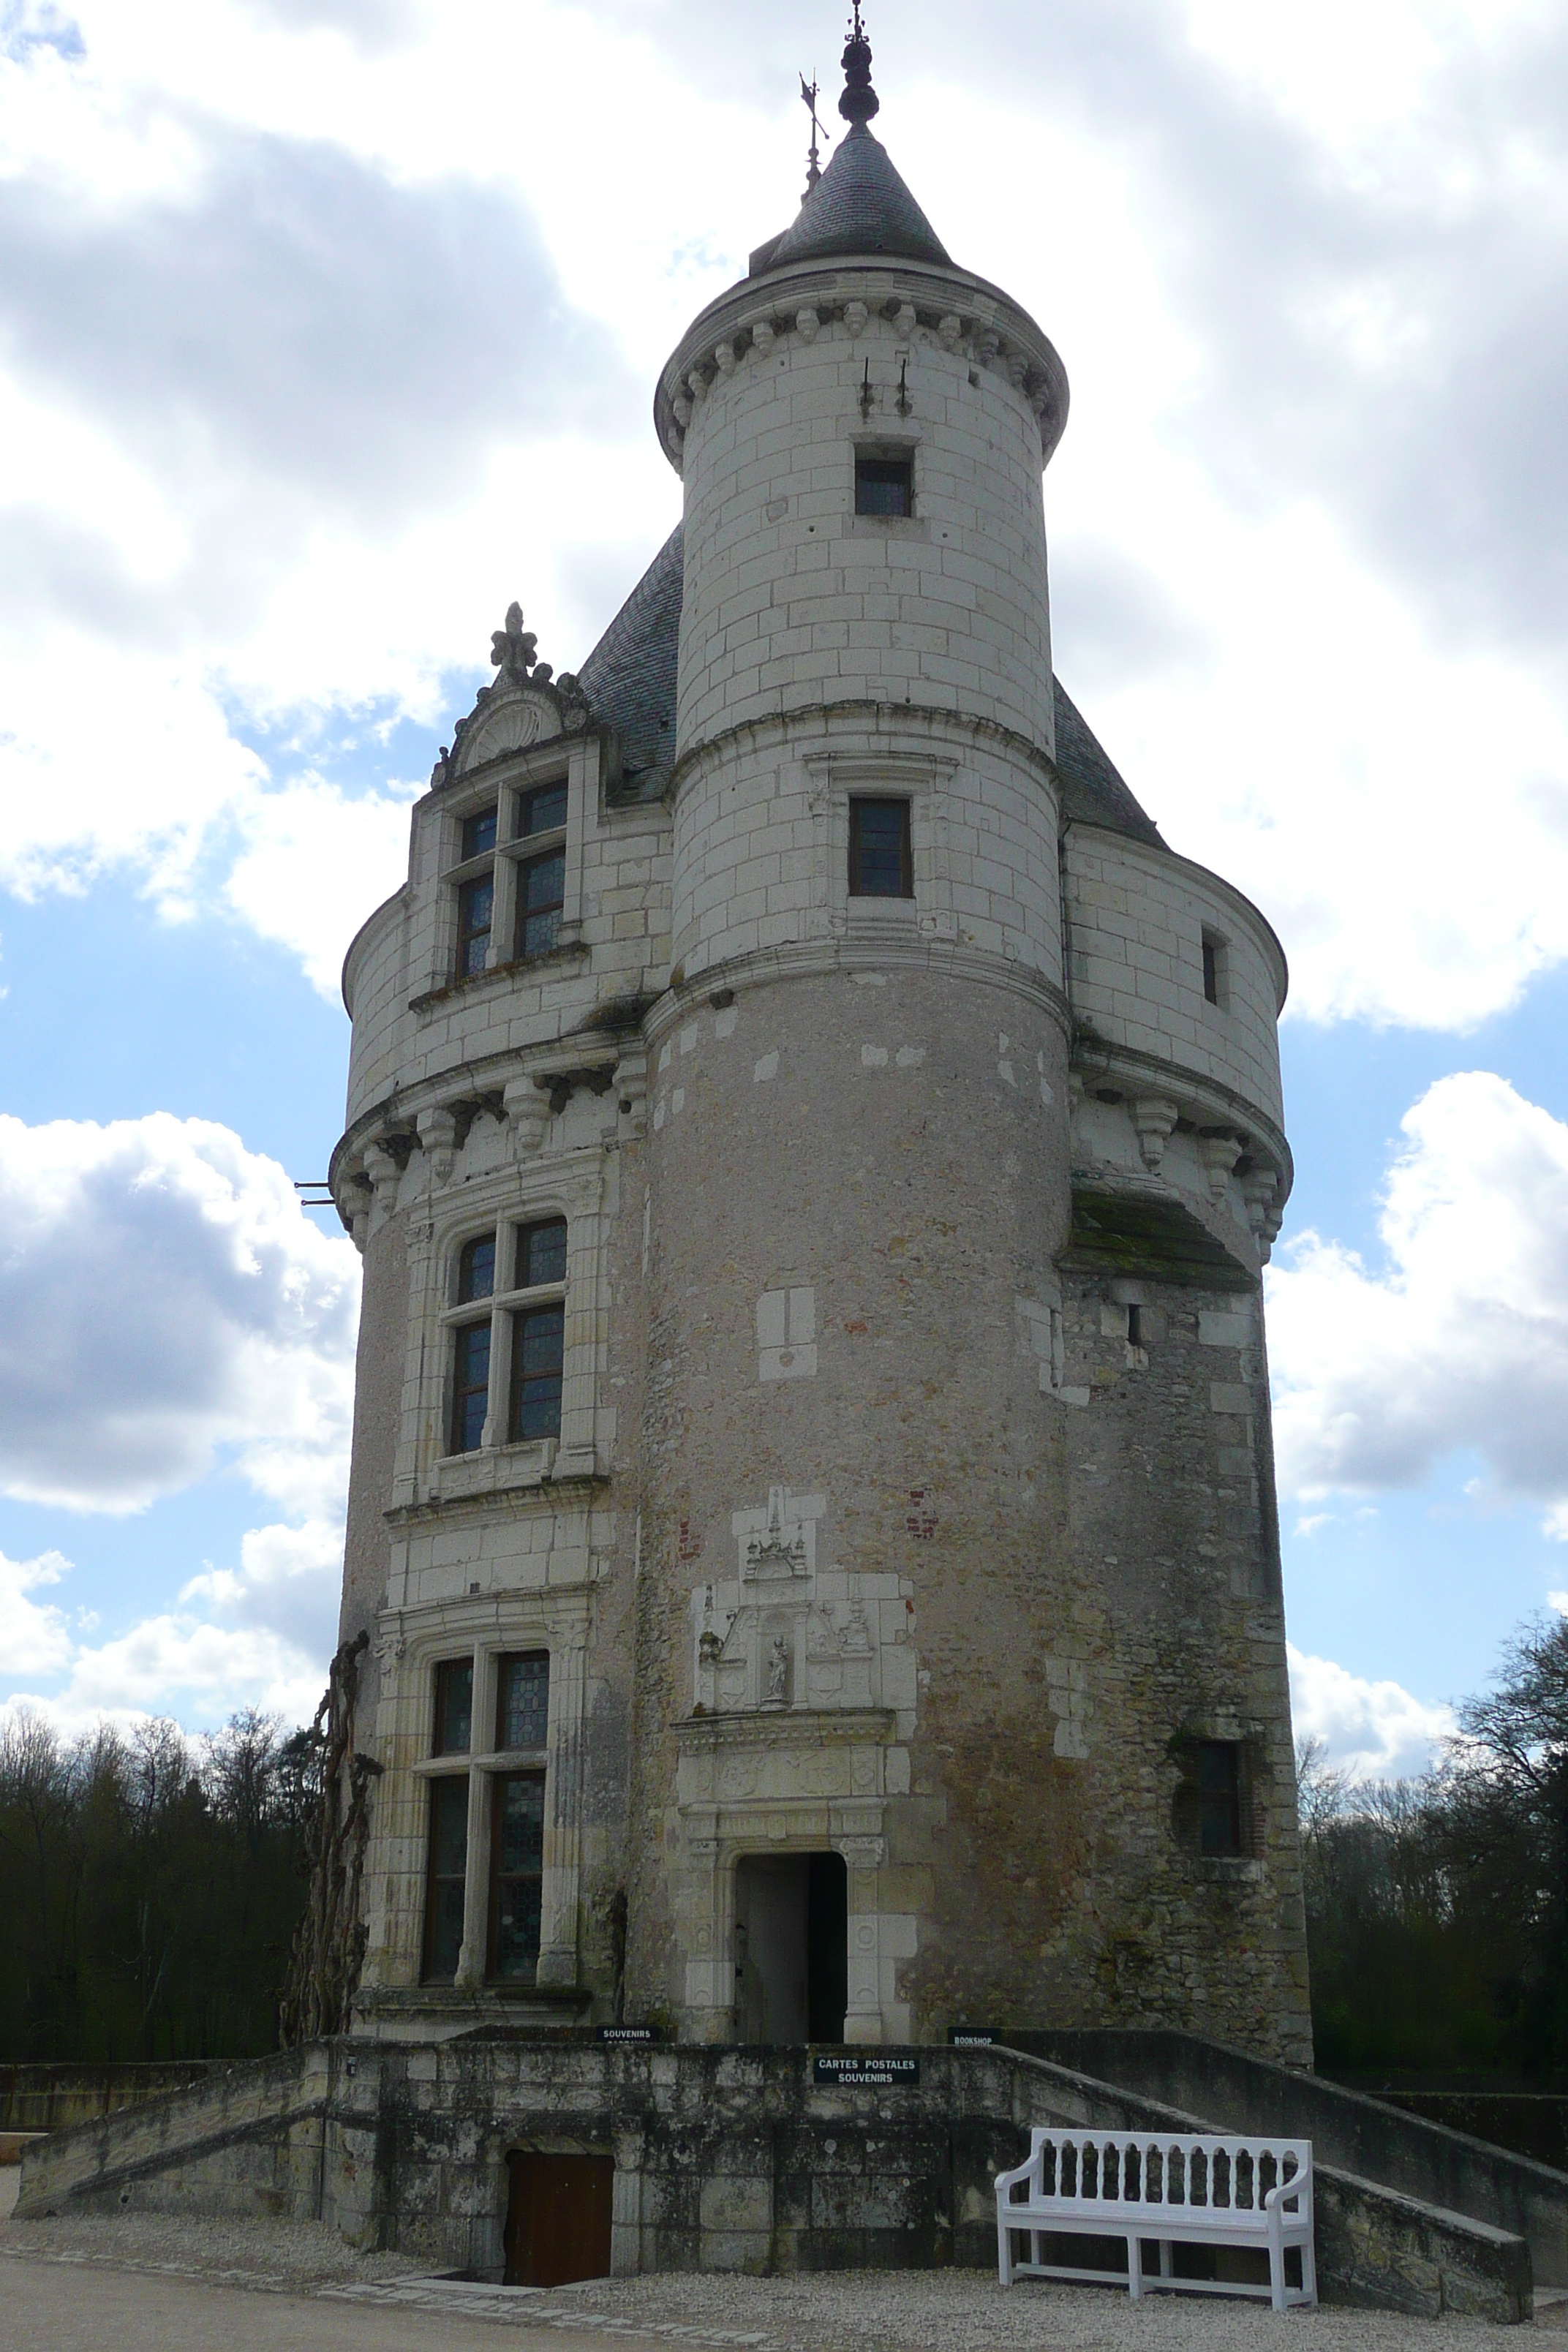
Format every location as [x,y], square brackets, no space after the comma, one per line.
[557,2219]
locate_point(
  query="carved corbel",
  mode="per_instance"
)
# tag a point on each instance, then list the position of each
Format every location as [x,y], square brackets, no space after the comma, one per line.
[724,358]
[950,332]
[631,1092]
[1154,1120]
[762,338]
[806,324]
[1259,1188]
[437,1131]
[528,1113]
[904,321]
[384,1172]
[1017,367]
[854,317]
[353,1197]
[1219,1153]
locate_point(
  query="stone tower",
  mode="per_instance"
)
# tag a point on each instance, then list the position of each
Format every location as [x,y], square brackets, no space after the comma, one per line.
[815,1147]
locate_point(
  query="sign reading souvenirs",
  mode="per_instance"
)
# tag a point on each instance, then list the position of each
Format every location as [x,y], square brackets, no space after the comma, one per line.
[856,2069]
[637,2034]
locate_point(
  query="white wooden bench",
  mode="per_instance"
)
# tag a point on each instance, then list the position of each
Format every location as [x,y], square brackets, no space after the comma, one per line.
[1161,2188]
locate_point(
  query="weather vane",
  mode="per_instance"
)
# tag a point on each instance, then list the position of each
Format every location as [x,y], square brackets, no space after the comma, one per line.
[814,168]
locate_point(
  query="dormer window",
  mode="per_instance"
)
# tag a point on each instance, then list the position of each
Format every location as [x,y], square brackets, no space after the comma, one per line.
[540,895]
[475,912]
[479,834]
[544,811]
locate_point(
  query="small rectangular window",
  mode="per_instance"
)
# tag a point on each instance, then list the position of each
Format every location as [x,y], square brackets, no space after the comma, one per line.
[471,1386]
[537,1339]
[541,894]
[447,1870]
[475,906]
[1134,1327]
[542,811]
[479,834]
[1219,1796]
[880,861]
[1214,968]
[523,1700]
[884,486]
[517,1871]
[477,1269]
[541,1252]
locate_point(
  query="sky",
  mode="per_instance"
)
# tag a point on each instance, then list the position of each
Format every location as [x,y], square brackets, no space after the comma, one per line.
[328,326]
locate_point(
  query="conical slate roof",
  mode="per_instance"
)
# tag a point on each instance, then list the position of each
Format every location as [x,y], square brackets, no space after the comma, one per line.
[630,679]
[860,205]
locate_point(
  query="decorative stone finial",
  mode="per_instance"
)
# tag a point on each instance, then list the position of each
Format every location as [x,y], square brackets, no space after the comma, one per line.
[860,101]
[511,648]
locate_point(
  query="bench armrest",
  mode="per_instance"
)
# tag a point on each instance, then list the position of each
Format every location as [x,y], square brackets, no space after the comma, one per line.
[1005,2180]
[1299,2183]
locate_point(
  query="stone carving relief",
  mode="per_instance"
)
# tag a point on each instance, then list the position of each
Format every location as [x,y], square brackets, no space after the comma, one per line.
[786,1632]
[527,704]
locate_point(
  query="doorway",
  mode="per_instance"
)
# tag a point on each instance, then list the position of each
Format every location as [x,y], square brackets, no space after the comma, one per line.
[557,2218]
[792,1946]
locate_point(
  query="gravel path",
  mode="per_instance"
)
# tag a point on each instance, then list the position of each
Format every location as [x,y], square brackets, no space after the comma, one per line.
[846,2311]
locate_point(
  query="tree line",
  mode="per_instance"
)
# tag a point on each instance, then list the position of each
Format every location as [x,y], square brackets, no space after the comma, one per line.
[1438,1907]
[151,1885]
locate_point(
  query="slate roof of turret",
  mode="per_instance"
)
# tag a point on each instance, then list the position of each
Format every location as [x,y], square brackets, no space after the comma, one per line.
[630,679]
[860,205]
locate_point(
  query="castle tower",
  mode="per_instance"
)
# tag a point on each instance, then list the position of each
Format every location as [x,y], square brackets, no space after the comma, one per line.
[816,1147]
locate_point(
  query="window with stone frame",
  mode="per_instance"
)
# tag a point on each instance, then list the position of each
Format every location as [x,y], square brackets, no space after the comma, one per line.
[517,1873]
[523,1336]
[447,1837]
[522,1701]
[881,864]
[475,890]
[1214,1806]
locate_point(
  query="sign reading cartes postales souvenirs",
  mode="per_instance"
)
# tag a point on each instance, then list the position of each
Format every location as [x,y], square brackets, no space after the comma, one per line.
[637,2036]
[864,2069]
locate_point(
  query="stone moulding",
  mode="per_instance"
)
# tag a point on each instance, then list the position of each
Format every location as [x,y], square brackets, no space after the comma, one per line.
[800,1727]
[969,321]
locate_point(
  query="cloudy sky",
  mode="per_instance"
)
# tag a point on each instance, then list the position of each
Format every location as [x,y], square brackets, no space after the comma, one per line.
[327,327]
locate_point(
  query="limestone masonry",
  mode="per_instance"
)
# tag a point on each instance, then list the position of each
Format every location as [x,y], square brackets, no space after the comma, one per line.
[815,1146]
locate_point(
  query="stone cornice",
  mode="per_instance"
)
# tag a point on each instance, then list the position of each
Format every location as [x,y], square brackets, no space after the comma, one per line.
[1095,1059]
[894,951]
[967,319]
[788,1726]
[894,719]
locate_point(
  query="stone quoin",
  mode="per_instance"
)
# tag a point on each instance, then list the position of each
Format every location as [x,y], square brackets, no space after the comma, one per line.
[815,1146]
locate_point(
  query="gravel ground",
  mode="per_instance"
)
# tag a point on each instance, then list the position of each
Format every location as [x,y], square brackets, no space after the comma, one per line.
[851,2311]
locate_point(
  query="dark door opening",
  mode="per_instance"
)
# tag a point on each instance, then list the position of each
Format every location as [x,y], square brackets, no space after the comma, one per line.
[792,1946]
[557,2219]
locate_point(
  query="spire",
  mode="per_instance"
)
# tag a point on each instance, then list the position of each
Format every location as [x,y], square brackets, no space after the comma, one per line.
[859,203]
[808,92]
[860,101]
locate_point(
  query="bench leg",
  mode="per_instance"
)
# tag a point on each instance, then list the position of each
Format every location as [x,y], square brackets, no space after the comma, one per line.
[1135,2269]
[1275,2262]
[1166,2270]
[1004,2253]
[1309,2271]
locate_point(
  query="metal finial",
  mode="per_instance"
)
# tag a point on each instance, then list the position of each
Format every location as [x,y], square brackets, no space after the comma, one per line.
[808,92]
[860,101]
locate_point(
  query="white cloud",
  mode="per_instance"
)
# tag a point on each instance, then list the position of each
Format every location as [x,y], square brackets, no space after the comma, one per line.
[164,1305]
[177,1664]
[35,1637]
[1462,1341]
[287,1583]
[1373,1730]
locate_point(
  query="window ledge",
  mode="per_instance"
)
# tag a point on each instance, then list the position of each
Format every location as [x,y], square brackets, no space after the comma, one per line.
[521,966]
[895,526]
[1233,1869]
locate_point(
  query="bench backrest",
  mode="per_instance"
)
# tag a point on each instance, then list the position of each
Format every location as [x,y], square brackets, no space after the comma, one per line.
[1213,2173]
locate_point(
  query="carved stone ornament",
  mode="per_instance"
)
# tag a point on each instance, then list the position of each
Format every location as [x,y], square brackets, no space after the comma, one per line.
[527,704]
[779,1549]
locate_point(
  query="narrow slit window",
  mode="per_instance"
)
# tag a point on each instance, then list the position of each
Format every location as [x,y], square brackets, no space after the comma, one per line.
[1135,1327]
[522,1701]
[476,909]
[477,1269]
[537,1338]
[884,486]
[454,1707]
[880,864]
[471,1386]
[541,1252]
[447,1874]
[1219,1796]
[543,810]
[540,895]
[1215,973]
[517,1873]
